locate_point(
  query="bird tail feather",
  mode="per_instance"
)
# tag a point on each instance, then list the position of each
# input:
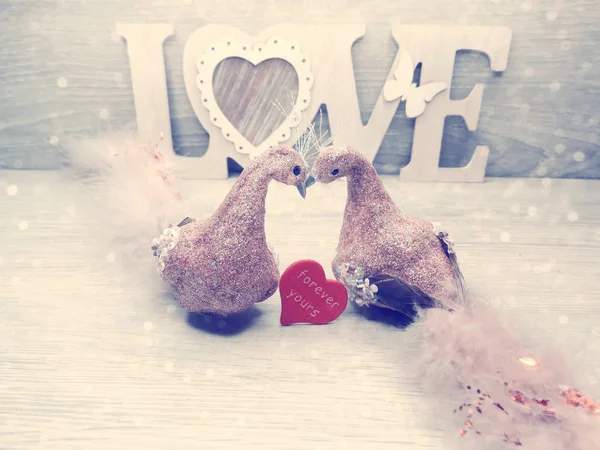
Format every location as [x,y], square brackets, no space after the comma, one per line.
[131,194]
[509,396]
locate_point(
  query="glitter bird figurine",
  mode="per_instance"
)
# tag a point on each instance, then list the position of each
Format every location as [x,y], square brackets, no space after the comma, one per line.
[389,259]
[222,264]
[385,257]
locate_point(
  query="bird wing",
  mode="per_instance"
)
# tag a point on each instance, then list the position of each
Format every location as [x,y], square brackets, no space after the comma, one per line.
[448,247]
[186,221]
[393,293]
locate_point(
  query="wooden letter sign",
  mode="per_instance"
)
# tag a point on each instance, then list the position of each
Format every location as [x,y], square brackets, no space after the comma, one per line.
[314,67]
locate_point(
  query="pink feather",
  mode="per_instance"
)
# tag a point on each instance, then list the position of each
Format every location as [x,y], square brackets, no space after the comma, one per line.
[509,396]
[130,194]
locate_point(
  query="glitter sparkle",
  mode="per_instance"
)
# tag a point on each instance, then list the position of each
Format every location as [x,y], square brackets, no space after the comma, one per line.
[539,409]
[529,362]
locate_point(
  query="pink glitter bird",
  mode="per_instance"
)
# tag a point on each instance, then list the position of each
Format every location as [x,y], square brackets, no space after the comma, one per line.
[389,259]
[222,264]
[385,257]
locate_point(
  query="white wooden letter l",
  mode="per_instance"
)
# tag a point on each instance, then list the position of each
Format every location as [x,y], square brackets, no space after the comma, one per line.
[149,80]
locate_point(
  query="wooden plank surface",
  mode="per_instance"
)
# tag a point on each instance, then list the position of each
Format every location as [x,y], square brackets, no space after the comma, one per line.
[65,72]
[90,358]
[231,81]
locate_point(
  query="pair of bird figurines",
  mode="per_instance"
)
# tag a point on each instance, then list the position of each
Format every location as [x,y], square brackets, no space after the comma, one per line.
[385,258]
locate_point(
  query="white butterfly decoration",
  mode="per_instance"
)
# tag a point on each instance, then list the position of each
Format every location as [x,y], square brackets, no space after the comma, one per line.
[404,89]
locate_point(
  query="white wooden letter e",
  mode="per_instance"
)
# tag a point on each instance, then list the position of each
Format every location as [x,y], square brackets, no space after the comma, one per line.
[435,47]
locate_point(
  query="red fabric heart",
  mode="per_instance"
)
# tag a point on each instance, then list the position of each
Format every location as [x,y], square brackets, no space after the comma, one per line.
[307,296]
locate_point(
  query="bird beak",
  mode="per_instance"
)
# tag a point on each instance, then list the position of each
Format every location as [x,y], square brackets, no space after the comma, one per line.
[302,189]
[310,180]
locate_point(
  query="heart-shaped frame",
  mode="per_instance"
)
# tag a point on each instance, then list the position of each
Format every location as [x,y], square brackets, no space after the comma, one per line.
[255,54]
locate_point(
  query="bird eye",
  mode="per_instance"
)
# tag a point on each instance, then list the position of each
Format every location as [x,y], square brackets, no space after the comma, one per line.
[297,170]
[334,172]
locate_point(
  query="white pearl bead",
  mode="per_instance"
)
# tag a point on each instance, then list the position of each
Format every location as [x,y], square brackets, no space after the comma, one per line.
[171,245]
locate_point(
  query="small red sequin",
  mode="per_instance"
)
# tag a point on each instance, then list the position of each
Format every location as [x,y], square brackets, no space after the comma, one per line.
[517,396]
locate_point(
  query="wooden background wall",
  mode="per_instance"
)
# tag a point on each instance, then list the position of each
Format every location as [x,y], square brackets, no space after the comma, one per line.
[64,71]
